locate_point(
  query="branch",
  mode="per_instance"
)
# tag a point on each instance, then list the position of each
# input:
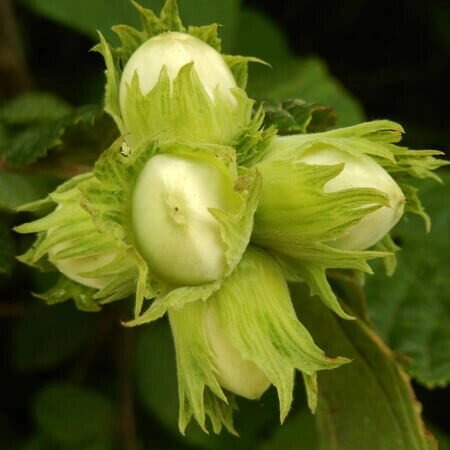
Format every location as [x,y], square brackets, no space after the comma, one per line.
[57,168]
[10,309]
[124,367]
[14,74]
[103,332]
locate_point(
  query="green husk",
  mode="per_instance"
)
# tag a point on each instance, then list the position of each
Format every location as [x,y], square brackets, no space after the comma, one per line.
[296,219]
[68,233]
[107,196]
[254,308]
[377,139]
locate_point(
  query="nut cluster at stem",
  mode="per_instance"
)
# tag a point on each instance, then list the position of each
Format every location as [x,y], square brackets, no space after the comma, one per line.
[204,212]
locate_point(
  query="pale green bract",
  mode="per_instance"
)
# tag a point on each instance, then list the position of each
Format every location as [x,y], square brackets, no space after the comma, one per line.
[201,212]
[254,310]
[187,82]
[95,268]
[173,50]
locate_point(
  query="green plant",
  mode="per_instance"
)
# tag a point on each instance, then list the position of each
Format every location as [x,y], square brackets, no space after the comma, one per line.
[207,205]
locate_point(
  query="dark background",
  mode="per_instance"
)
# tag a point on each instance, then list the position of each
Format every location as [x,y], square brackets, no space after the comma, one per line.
[394,56]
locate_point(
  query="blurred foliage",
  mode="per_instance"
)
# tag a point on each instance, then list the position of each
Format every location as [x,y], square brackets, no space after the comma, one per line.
[443,439]
[76,381]
[35,123]
[18,189]
[380,399]
[161,399]
[411,311]
[291,77]
[298,116]
[89,17]
[393,56]
[87,423]
[7,250]
[308,79]
[47,337]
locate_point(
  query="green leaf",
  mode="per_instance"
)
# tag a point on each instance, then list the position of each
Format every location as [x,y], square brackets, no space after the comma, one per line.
[260,37]
[48,336]
[84,15]
[297,116]
[203,12]
[156,372]
[369,403]
[32,140]
[33,107]
[310,80]
[412,310]
[442,437]
[87,416]
[7,250]
[88,16]
[297,433]
[17,189]
[32,143]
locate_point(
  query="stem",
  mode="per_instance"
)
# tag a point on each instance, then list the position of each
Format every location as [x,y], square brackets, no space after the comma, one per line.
[54,168]
[10,310]
[122,344]
[124,367]
[14,74]
[104,330]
